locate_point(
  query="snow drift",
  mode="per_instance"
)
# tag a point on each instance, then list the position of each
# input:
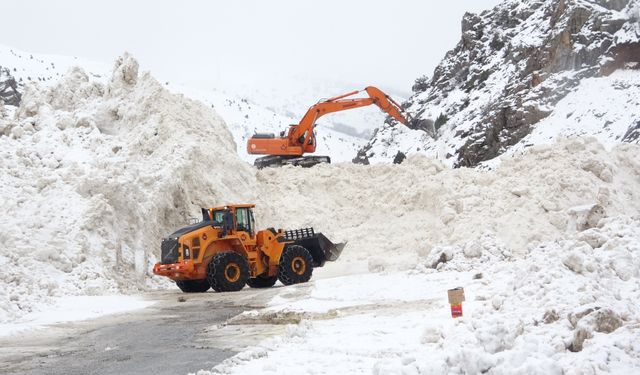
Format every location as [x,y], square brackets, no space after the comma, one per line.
[391,214]
[94,175]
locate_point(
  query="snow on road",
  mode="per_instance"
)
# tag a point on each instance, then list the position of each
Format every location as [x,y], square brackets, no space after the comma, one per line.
[566,307]
[74,308]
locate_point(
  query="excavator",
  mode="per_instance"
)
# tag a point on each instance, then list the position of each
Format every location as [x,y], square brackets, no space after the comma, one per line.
[290,147]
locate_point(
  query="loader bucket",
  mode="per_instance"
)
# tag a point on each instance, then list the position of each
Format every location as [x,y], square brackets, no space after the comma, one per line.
[320,247]
[330,250]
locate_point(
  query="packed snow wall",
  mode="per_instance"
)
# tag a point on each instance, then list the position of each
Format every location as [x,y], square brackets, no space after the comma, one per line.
[94,175]
[392,215]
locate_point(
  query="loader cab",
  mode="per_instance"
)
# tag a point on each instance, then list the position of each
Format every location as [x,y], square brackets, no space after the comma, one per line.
[233,218]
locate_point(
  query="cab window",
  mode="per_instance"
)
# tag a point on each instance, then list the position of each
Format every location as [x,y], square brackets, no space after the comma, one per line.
[218,218]
[252,221]
[242,219]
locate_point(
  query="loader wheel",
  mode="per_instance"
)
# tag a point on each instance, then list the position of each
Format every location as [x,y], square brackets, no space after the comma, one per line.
[227,272]
[262,281]
[193,286]
[296,265]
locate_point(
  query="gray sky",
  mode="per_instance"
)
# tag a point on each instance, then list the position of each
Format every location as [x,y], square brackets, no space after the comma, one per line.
[384,43]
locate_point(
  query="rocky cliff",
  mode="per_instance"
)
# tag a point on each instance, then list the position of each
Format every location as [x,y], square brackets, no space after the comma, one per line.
[511,67]
[9,93]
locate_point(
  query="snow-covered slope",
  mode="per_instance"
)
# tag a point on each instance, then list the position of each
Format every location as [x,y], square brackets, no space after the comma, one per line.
[26,67]
[512,67]
[607,108]
[246,108]
[96,173]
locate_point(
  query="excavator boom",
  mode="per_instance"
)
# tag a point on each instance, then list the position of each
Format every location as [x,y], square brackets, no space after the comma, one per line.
[300,138]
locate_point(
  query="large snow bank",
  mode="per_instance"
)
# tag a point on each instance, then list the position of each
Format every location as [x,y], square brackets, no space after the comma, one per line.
[564,307]
[392,213]
[94,174]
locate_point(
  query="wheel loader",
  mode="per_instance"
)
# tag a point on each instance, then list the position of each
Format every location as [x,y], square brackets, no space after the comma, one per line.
[225,252]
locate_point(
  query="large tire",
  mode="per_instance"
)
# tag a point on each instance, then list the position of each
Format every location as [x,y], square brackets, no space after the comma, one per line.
[262,281]
[296,265]
[227,272]
[193,286]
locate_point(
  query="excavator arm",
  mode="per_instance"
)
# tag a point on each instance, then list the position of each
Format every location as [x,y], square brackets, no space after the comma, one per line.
[300,138]
[341,103]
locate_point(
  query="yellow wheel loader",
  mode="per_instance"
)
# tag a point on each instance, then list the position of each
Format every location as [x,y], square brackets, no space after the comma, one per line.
[224,251]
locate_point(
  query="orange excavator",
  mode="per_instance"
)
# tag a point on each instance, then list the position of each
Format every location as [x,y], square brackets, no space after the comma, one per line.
[289,148]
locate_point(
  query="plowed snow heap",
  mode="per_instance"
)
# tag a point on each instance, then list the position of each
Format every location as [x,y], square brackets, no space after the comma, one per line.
[94,175]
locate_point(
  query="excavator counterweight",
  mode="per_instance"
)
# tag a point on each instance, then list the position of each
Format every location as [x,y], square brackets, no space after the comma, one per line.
[300,139]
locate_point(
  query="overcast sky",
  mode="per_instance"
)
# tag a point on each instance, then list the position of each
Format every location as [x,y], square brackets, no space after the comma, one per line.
[384,43]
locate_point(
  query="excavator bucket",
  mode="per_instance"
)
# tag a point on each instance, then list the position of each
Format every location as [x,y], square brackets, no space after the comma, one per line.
[320,247]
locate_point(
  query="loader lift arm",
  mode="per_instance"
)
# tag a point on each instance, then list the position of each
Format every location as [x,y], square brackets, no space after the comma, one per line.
[300,138]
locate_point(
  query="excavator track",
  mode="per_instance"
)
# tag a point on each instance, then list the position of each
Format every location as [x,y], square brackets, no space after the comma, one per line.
[299,161]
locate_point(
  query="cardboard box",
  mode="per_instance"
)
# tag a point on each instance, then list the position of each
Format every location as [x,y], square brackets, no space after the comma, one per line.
[456,295]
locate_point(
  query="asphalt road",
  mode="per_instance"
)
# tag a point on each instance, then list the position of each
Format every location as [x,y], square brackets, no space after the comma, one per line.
[170,337]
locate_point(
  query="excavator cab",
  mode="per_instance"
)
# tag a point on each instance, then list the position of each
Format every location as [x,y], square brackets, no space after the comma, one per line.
[310,146]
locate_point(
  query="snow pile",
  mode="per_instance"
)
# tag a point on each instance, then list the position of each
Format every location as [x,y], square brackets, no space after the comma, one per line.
[95,174]
[565,307]
[392,213]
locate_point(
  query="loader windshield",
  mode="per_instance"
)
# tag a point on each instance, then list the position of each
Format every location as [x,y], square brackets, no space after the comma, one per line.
[218,218]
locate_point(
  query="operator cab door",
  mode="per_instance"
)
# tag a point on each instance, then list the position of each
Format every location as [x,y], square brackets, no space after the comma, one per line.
[245,224]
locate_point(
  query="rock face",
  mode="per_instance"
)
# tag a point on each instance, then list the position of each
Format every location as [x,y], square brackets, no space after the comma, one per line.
[633,134]
[511,66]
[9,93]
